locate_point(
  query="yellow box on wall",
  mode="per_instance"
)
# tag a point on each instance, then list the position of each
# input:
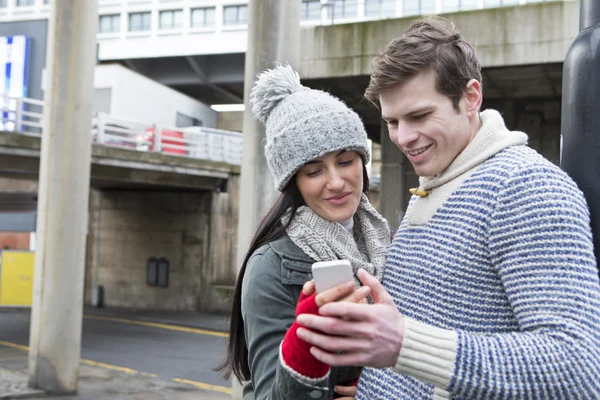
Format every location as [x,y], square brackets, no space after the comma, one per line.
[16,278]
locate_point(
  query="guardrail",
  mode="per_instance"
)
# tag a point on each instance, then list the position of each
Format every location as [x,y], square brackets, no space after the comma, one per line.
[21,114]
[25,116]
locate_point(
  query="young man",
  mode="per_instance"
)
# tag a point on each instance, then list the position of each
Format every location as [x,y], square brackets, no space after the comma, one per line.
[491,286]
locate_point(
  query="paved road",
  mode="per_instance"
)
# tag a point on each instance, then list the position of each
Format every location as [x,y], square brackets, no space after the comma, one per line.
[168,353]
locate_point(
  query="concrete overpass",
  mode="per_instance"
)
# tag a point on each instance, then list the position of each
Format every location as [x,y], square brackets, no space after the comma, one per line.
[521,48]
[142,205]
[114,168]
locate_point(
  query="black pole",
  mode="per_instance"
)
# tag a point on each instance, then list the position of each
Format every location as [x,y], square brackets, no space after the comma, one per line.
[580,156]
[589,14]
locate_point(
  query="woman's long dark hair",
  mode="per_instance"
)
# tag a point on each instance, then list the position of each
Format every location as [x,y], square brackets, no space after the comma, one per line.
[270,229]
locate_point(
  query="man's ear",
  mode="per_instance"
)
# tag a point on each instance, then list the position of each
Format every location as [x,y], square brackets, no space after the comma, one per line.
[474,97]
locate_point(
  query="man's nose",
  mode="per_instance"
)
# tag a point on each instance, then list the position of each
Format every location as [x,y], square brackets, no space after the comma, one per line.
[404,135]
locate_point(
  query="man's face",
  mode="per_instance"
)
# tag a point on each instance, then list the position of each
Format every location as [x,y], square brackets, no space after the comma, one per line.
[424,124]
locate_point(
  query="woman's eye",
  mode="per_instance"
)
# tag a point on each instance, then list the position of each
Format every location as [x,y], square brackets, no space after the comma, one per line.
[310,174]
[346,162]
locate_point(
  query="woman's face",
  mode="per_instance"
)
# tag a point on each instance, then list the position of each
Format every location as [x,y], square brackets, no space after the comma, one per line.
[332,185]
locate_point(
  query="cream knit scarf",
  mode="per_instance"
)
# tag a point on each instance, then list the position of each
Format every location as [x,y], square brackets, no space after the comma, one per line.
[323,240]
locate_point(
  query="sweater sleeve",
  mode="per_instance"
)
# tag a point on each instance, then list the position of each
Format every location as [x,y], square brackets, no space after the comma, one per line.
[268,310]
[541,246]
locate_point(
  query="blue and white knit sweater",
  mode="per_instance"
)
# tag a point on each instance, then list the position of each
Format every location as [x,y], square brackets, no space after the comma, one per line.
[495,274]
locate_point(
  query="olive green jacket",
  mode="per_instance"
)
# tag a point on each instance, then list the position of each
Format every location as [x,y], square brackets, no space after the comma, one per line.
[271,287]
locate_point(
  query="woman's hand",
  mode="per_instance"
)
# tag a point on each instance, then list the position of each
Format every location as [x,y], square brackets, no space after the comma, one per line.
[347,391]
[343,333]
[342,292]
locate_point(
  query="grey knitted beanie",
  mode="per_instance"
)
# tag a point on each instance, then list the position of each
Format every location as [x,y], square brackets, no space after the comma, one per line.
[301,123]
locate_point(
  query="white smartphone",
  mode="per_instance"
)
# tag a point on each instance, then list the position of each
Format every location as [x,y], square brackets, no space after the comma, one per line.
[328,274]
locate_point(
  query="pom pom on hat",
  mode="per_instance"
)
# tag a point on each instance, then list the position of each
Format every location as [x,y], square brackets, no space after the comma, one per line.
[271,87]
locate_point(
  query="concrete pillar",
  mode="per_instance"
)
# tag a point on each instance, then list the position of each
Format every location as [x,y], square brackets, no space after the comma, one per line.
[64,182]
[273,36]
[393,181]
[399,8]
[360,5]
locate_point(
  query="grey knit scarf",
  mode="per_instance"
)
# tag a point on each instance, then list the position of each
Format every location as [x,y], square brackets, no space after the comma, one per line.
[323,240]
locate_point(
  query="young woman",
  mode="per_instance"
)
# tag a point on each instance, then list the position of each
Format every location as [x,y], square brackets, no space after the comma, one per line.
[316,149]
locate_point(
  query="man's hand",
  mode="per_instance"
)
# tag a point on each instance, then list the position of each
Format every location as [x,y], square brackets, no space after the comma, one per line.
[366,335]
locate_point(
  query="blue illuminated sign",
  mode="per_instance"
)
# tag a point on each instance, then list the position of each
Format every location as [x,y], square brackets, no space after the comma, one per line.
[14,64]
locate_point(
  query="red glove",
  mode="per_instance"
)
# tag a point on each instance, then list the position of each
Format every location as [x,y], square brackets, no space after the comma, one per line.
[295,351]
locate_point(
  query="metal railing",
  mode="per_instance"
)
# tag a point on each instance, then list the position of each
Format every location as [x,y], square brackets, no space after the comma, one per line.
[26,116]
[325,12]
[21,114]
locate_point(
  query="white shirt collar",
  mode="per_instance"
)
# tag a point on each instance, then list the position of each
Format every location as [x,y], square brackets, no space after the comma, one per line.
[348,225]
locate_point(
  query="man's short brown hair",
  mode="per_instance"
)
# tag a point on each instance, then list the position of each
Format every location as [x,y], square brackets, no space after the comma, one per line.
[428,44]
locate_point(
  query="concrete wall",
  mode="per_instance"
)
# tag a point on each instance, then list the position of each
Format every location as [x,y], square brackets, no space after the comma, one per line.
[11,185]
[195,231]
[519,35]
[539,118]
[135,97]
[37,31]
[18,204]
[218,279]
[231,121]
[128,227]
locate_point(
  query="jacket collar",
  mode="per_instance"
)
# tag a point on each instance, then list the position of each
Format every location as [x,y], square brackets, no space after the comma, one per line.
[286,249]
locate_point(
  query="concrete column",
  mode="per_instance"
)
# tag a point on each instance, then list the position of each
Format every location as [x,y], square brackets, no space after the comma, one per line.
[360,5]
[399,8]
[273,36]
[328,14]
[64,184]
[393,181]
[439,6]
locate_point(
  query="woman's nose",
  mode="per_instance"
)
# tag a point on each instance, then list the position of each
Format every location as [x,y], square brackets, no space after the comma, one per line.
[336,181]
